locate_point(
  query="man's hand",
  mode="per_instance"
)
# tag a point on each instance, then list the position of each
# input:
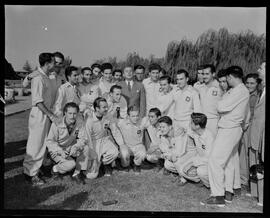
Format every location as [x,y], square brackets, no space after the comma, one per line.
[55,119]
[62,153]
[75,151]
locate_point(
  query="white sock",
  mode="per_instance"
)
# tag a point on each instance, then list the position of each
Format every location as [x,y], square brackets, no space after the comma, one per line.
[55,169]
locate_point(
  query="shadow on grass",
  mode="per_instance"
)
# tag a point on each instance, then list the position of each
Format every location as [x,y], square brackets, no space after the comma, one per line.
[18,194]
[12,149]
[71,203]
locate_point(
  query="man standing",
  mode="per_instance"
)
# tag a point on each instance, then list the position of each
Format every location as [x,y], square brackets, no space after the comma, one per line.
[106,81]
[67,92]
[117,75]
[199,77]
[210,93]
[139,73]
[232,109]
[186,101]
[133,91]
[151,86]
[39,119]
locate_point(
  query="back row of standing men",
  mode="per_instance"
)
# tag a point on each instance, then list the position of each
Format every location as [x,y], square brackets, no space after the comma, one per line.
[224,103]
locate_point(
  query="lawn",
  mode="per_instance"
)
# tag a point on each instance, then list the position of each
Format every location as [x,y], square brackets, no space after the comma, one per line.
[148,191]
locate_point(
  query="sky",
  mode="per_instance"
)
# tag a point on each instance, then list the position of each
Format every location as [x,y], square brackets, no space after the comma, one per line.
[88,33]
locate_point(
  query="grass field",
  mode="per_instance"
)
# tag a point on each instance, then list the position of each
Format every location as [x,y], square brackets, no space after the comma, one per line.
[148,191]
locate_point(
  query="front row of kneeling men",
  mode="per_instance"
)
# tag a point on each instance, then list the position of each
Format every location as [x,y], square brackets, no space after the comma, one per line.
[101,139]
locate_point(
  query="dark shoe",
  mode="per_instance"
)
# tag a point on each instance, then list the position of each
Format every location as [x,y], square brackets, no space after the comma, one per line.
[125,169]
[107,170]
[228,197]
[159,166]
[214,201]
[137,169]
[166,172]
[45,171]
[237,192]
[36,181]
[55,175]
[78,178]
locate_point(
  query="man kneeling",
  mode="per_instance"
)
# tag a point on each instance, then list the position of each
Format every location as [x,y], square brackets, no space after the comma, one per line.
[65,150]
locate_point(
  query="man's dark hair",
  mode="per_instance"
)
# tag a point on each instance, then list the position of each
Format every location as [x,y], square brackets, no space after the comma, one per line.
[156,111]
[106,66]
[69,71]
[166,77]
[59,55]
[97,102]
[163,71]
[199,119]
[132,108]
[221,73]
[117,70]
[182,71]
[85,68]
[235,71]
[95,65]
[200,67]
[254,76]
[165,119]
[115,87]
[154,66]
[70,104]
[211,66]
[139,66]
[45,58]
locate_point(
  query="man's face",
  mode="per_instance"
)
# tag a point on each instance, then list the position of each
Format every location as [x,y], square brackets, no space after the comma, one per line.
[164,85]
[58,64]
[116,95]
[134,116]
[164,128]
[230,80]
[50,66]
[107,74]
[181,80]
[74,78]
[103,108]
[154,75]
[200,76]
[207,75]
[71,115]
[251,84]
[152,118]
[96,71]
[117,76]
[261,72]
[128,73]
[139,73]
[87,75]
[223,83]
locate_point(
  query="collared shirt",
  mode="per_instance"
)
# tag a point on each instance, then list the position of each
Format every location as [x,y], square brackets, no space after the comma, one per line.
[96,130]
[186,102]
[209,97]
[130,82]
[197,85]
[66,93]
[164,100]
[42,90]
[132,134]
[151,92]
[233,106]
[105,86]
[59,137]
[112,105]
[89,92]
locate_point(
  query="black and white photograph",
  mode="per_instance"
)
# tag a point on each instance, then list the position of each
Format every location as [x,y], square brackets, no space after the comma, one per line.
[134,108]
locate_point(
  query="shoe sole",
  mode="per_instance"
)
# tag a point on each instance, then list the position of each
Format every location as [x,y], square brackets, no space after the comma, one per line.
[215,205]
[228,201]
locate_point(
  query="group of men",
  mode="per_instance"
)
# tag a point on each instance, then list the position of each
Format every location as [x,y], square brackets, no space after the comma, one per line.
[103,119]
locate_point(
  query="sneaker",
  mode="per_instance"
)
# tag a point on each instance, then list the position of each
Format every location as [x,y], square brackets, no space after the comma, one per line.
[107,170]
[36,181]
[137,169]
[228,197]
[214,201]
[237,192]
[125,169]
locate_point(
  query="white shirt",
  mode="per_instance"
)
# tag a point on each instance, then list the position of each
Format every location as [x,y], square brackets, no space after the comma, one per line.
[151,92]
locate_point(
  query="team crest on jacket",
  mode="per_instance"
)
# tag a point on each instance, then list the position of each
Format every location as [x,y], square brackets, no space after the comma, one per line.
[139,132]
[187,98]
[214,93]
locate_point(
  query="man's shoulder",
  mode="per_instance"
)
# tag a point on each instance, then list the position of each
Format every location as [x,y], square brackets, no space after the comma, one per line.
[146,81]
[138,84]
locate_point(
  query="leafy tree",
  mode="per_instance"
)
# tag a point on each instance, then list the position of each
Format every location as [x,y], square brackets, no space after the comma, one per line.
[27,67]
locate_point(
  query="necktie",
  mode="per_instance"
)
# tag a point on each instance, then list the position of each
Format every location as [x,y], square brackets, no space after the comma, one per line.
[129,86]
